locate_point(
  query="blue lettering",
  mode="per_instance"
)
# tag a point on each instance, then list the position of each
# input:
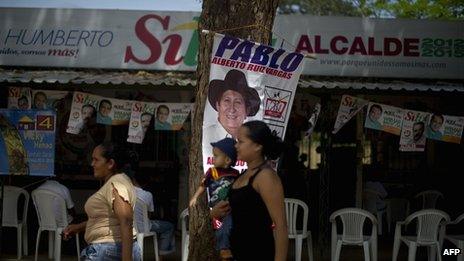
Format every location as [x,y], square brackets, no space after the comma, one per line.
[275,57]
[82,37]
[261,55]
[70,38]
[291,62]
[59,36]
[243,51]
[108,42]
[226,43]
[13,36]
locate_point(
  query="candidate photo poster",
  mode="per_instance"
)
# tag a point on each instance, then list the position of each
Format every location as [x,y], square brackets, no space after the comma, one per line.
[413,130]
[19,98]
[248,81]
[83,108]
[171,116]
[113,111]
[445,128]
[28,139]
[349,107]
[140,121]
[384,118]
[45,99]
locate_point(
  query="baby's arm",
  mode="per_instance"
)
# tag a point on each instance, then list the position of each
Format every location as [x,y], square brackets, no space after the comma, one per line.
[199,191]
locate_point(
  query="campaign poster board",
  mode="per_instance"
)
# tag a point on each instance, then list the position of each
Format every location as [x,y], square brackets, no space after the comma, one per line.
[28,138]
[413,136]
[384,118]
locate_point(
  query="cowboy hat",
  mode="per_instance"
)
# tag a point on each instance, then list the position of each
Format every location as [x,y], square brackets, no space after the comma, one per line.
[236,81]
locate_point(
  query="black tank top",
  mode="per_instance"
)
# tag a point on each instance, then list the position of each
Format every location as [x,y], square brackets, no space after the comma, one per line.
[251,236]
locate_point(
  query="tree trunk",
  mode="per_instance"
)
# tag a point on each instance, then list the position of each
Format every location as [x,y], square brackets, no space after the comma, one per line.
[218,15]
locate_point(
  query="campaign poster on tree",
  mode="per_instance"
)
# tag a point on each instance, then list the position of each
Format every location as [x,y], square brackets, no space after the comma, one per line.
[27,138]
[384,118]
[139,124]
[413,130]
[19,98]
[248,81]
[445,128]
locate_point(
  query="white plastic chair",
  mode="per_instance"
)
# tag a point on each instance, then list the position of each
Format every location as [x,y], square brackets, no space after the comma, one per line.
[397,210]
[457,240]
[144,231]
[10,216]
[370,199]
[427,233]
[45,203]
[185,234]
[292,209]
[353,220]
[429,198]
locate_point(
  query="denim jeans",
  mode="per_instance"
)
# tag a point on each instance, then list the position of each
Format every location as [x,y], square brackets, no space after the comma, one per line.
[108,252]
[165,232]
[223,233]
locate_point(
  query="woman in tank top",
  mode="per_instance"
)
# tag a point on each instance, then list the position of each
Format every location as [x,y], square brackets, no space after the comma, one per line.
[257,199]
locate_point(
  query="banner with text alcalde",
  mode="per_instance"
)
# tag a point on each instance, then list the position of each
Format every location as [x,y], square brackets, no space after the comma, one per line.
[27,138]
[445,128]
[384,118]
[248,81]
[413,130]
[19,98]
[141,115]
[349,106]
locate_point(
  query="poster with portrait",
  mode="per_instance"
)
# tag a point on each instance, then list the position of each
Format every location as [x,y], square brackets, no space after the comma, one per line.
[28,139]
[19,98]
[45,99]
[445,128]
[171,116]
[248,81]
[139,124]
[349,106]
[413,130]
[384,118]
[83,109]
[113,111]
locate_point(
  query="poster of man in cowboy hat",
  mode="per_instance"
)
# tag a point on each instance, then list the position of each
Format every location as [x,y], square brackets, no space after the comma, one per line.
[248,81]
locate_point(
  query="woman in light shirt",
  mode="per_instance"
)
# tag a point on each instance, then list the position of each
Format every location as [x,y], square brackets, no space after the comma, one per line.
[109,228]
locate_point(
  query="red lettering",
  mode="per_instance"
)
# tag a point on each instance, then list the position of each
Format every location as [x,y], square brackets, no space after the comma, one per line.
[391,46]
[410,45]
[371,46]
[148,39]
[333,44]
[409,116]
[304,45]
[79,98]
[358,46]
[317,45]
[348,101]
[173,49]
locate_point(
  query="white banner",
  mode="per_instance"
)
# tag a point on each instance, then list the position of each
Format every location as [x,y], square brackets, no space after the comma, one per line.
[248,81]
[445,128]
[153,40]
[83,108]
[140,120]
[413,130]
[19,98]
[171,116]
[385,118]
[349,106]
[42,99]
